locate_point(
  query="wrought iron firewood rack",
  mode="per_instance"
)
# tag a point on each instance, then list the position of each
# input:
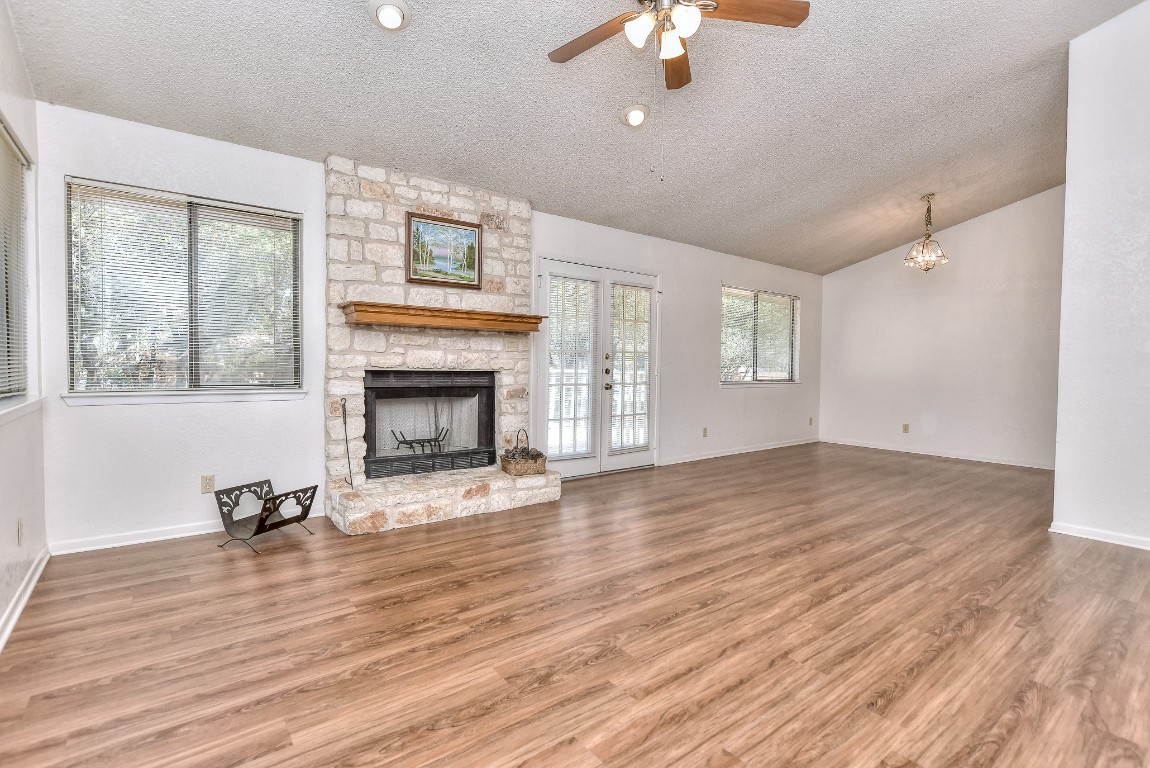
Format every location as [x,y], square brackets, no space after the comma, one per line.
[270,516]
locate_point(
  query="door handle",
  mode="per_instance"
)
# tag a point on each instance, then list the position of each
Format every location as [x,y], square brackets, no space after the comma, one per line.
[608,386]
[606,371]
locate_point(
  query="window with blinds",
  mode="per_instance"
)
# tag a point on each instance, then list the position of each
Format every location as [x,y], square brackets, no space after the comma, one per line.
[759,336]
[173,293]
[13,277]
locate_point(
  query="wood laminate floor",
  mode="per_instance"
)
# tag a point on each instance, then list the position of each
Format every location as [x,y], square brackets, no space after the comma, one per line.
[810,606]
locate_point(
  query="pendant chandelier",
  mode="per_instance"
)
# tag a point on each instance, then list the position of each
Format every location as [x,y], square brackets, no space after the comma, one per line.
[926,254]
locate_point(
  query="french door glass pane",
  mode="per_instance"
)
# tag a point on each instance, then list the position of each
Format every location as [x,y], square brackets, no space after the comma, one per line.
[630,368]
[572,364]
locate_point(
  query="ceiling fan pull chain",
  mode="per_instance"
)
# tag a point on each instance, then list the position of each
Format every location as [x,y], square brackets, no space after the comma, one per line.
[661,126]
[656,113]
[665,126]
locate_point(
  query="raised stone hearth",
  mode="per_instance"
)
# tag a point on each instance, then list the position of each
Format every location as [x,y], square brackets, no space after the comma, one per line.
[380,505]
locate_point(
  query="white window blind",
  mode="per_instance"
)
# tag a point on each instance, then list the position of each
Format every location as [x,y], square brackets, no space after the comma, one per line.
[13,277]
[173,293]
[759,335]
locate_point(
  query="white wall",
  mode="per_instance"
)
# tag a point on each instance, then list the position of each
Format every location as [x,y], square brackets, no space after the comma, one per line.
[21,426]
[118,474]
[738,419]
[21,504]
[17,103]
[1102,478]
[966,354]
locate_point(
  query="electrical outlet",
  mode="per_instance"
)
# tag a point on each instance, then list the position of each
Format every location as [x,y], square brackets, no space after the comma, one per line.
[704,431]
[906,429]
[20,532]
[207,483]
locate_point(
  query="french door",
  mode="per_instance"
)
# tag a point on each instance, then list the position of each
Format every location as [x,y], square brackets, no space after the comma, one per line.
[596,368]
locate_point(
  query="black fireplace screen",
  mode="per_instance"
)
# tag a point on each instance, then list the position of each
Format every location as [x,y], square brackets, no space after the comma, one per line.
[428,421]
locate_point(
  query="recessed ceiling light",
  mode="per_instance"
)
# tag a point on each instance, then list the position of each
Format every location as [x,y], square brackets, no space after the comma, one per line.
[392,15]
[634,115]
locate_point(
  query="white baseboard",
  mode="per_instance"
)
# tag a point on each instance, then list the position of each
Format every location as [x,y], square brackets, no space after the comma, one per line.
[735,451]
[949,455]
[68,546]
[1096,534]
[20,599]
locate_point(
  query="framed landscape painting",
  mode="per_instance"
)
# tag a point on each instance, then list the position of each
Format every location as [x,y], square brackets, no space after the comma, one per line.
[443,251]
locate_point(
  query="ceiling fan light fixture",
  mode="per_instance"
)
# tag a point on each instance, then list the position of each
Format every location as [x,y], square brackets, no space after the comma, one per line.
[639,28]
[634,115]
[671,46]
[686,19]
[390,15]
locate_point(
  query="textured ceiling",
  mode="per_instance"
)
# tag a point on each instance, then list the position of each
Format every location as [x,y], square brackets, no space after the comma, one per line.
[807,148]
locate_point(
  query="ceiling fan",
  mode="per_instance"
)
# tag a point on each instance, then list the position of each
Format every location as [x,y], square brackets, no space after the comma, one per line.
[675,20]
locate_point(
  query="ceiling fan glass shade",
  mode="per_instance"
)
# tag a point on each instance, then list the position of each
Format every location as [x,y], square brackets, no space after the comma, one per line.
[686,19]
[671,45]
[926,254]
[639,29]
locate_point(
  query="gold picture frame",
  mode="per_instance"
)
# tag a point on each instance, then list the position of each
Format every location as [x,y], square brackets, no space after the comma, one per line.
[443,251]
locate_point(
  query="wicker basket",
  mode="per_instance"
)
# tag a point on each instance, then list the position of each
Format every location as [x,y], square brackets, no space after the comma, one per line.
[520,467]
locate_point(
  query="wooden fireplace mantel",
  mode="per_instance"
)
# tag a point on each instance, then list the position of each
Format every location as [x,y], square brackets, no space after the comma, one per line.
[369,313]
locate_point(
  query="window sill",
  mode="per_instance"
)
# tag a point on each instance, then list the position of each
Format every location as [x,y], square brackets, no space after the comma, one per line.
[74,399]
[19,407]
[755,384]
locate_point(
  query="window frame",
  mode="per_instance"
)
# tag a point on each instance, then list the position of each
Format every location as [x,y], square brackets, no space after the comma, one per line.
[16,298]
[195,391]
[796,303]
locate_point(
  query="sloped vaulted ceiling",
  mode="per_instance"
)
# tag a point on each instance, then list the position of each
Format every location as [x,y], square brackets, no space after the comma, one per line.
[807,148]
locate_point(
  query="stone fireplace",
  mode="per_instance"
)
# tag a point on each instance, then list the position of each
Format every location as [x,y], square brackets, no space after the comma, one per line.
[374,372]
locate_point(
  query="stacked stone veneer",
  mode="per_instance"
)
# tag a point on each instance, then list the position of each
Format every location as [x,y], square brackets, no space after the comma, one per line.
[366,230]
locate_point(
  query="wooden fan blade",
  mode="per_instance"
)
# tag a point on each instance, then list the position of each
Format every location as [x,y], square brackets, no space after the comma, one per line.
[778,13]
[586,42]
[677,71]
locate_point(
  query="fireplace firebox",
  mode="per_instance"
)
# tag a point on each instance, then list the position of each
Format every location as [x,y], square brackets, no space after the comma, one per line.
[428,421]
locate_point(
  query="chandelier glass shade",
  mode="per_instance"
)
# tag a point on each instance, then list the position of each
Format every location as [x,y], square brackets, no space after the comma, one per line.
[926,254]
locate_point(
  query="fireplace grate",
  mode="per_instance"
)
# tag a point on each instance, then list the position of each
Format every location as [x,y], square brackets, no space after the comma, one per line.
[414,464]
